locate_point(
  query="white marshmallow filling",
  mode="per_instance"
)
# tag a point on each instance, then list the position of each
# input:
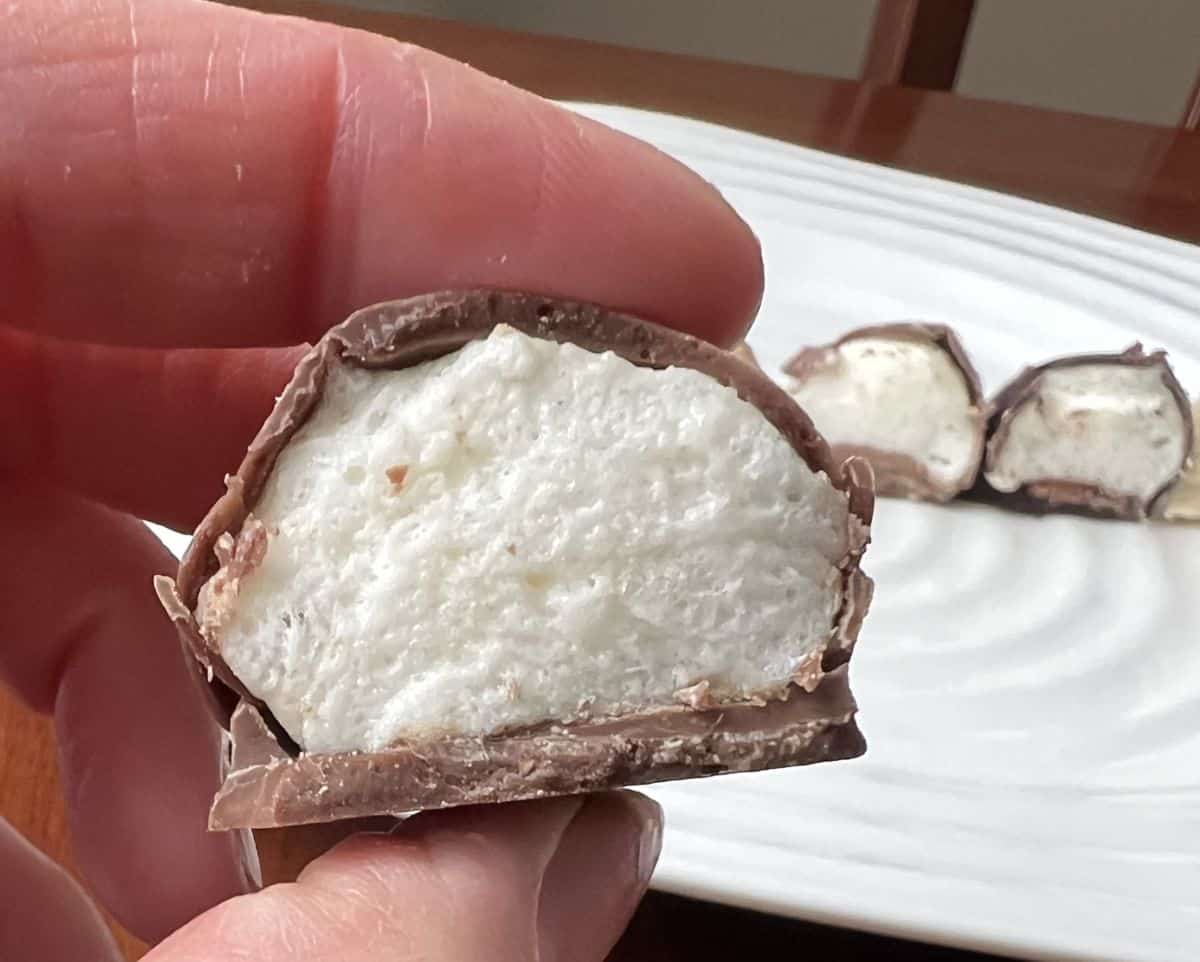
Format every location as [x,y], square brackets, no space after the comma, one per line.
[521,532]
[896,395]
[1113,426]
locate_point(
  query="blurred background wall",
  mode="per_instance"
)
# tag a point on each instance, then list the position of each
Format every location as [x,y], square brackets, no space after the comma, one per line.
[1133,59]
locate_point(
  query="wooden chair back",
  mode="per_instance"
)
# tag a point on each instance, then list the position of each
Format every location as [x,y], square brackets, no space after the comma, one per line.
[919,43]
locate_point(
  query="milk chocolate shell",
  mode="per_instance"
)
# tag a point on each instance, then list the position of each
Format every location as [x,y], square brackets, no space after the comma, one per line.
[906,398]
[1100,434]
[271,779]
[742,350]
[1182,502]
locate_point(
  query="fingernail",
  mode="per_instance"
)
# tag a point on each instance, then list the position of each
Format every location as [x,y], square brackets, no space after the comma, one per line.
[598,874]
[650,843]
[248,859]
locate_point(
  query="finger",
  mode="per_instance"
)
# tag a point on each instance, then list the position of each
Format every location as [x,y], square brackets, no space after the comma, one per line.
[145,431]
[81,634]
[46,915]
[554,881]
[187,174]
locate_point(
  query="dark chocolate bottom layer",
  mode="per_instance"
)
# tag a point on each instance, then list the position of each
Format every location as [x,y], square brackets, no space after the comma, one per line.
[900,476]
[266,788]
[1051,498]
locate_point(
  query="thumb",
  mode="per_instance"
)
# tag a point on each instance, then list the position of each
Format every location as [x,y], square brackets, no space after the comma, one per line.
[547,881]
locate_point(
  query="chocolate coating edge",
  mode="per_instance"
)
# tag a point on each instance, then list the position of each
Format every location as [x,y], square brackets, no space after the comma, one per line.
[398,334]
[1182,502]
[266,788]
[897,475]
[1055,494]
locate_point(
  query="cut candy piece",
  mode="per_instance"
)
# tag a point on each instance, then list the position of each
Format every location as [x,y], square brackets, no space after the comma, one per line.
[906,398]
[1102,433]
[493,546]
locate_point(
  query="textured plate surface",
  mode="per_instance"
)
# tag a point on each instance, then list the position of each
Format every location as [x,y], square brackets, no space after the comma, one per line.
[1029,688]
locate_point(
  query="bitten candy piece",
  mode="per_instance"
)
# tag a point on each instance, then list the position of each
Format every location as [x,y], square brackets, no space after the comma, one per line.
[493,546]
[903,396]
[1103,433]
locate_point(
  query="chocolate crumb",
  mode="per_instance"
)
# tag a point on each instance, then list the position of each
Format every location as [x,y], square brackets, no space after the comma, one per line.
[696,696]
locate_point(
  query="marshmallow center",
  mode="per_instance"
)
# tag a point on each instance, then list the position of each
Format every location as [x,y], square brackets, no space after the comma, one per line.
[1111,425]
[895,395]
[524,531]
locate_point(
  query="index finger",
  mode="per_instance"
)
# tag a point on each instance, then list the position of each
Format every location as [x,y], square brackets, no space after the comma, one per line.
[181,174]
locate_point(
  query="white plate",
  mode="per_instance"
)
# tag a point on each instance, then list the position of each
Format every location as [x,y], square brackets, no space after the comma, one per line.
[1029,688]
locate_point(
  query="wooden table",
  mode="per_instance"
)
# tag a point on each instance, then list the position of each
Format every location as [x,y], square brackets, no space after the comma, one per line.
[1147,177]
[1135,174]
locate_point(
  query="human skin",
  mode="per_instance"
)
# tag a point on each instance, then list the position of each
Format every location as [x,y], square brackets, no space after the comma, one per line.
[187,193]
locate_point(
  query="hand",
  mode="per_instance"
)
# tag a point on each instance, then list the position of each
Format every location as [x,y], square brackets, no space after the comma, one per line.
[185,192]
